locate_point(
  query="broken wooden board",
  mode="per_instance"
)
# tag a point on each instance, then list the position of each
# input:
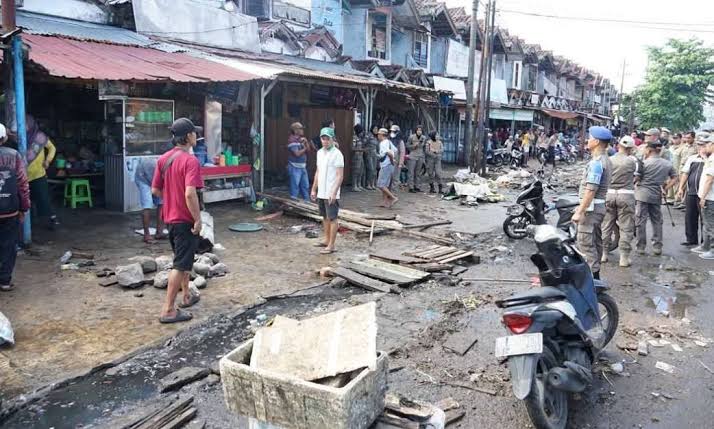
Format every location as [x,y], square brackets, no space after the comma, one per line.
[108,281]
[362,281]
[435,253]
[394,257]
[323,346]
[378,273]
[454,416]
[461,341]
[428,224]
[432,267]
[402,270]
[456,257]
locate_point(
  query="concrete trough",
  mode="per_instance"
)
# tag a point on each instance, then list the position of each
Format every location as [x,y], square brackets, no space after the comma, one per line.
[297,404]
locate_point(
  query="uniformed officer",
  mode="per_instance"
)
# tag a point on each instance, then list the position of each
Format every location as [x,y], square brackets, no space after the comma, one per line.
[656,176]
[593,191]
[434,150]
[358,149]
[620,201]
[416,158]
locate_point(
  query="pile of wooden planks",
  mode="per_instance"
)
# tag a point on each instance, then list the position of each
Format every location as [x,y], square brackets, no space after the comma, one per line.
[172,416]
[439,254]
[379,276]
[358,221]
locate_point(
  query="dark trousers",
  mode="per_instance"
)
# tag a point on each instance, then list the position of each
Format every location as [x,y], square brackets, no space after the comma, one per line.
[9,234]
[691,219]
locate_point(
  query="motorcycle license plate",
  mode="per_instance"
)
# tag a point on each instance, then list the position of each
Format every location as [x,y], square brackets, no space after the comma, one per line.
[523,344]
[515,210]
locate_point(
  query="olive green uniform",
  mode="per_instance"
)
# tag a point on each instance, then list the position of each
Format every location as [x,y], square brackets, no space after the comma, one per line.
[620,202]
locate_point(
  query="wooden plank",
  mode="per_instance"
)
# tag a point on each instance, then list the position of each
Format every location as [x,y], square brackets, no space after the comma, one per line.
[108,281]
[360,280]
[419,250]
[379,273]
[447,255]
[397,269]
[380,216]
[180,420]
[454,416]
[439,253]
[432,267]
[394,256]
[428,224]
[465,255]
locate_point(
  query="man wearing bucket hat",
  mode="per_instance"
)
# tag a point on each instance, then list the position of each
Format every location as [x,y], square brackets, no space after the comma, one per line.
[593,192]
[326,186]
[656,177]
[620,201]
[689,180]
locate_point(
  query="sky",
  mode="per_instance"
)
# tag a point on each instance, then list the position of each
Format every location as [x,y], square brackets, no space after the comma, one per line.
[603,46]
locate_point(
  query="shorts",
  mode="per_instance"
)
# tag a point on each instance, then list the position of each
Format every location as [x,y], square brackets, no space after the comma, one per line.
[327,210]
[184,244]
[385,176]
[146,199]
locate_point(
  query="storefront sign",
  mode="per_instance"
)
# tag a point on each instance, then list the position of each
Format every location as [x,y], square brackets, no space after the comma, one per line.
[511,115]
[112,87]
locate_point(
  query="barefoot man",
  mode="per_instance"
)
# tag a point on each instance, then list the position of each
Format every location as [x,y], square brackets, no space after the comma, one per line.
[386,168]
[326,186]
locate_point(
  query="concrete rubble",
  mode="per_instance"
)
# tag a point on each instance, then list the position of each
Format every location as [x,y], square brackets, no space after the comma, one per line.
[130,276]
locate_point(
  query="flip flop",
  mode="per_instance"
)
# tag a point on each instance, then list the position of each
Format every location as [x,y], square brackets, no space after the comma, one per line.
[6,288]
[161,237]
[320,244]
[181,316]
[191,301]
[327,251]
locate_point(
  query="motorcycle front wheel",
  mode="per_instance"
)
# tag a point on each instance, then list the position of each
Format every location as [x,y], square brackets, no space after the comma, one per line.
[515,226]
[547,407]
[609,318]
[498,160]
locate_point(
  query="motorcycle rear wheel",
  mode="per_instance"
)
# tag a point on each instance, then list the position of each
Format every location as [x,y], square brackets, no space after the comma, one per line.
[609,317]
[519,222]
[547,407]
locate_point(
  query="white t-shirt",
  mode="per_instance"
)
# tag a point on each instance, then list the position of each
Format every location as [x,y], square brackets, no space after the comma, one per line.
[328,161]
[384,147]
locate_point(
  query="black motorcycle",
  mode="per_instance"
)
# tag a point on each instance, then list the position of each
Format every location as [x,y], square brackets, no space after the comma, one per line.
[557,330]
[530,209]
[516,158]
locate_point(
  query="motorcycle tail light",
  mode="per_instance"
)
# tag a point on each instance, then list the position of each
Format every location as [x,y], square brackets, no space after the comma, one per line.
[517,323]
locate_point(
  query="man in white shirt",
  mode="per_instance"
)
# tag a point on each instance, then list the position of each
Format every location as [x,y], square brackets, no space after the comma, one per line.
[326,186]
[387,159]
[706,196]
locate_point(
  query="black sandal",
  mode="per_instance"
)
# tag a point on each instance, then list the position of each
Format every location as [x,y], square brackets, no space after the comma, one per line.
[181,316]
[193,300]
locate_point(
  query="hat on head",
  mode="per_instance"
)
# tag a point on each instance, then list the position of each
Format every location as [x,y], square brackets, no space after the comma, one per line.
[665,130]
[652,132]
[627,142]
[383,131]
[600,133]
[296,126]
[3,131]
[710,138]
[701,136]
[655,144]
[183,126]
[394,128]
[327,131]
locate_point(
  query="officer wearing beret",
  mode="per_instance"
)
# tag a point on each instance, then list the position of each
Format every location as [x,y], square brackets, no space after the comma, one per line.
[656,177]
[590,213]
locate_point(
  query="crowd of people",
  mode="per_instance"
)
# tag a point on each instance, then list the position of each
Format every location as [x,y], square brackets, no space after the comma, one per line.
[621,192]
[535,143]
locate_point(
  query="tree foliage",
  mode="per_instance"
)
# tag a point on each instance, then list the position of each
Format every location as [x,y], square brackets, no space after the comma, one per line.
[676,85]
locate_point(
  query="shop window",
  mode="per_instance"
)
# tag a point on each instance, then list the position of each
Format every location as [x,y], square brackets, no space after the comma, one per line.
[421,49]
[379,29]
[517,70]
[257,8]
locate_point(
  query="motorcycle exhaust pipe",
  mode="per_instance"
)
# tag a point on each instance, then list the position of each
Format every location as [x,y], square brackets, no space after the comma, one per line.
[572,378]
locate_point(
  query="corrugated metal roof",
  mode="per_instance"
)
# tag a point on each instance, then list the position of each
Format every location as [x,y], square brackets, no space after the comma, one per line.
[77,59]
[46,25]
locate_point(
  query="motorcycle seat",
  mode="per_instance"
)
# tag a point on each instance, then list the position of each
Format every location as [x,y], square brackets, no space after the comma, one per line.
[545,293]
[564,203]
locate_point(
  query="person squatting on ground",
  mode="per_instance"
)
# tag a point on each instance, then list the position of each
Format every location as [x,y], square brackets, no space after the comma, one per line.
[40,153]
[706,197]
[326,186]
[14,203]
[656,176]
[416,158]
[434,150]
[593,192]
[143,176]
[176,178]
[387,159]
[620,201]
[298,148]
[359,147]
[689,183]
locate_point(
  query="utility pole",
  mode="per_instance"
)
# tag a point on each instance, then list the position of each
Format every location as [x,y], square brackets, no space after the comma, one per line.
[14,81]
[476,156]
[622,81]
[487,104]
[469,131]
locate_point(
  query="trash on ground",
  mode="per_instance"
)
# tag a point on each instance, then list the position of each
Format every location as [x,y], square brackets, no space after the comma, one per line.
[665,367]
[6,333]
[66,257]
[182,377]
[245,227]
[401,412]
[617,367]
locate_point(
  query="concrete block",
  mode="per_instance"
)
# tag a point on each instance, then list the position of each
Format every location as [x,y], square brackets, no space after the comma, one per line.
[297,404]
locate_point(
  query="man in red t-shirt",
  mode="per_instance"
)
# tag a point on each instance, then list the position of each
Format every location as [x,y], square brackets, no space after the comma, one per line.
[176,178]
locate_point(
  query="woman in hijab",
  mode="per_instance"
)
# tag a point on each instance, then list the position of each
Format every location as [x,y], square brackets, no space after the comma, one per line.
[40,153]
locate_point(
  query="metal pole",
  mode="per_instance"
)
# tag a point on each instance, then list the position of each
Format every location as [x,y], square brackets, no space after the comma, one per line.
[263,93]
[477,149]
[489,69]
[468,135]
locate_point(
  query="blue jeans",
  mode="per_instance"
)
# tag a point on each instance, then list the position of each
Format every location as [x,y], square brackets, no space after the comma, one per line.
[299,183]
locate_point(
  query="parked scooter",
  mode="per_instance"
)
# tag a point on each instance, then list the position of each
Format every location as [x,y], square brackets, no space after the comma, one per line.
[530,209]
[498,157]
[516,158]
[557,330]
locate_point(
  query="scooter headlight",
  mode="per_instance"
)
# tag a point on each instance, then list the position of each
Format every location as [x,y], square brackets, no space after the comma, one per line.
[529,206]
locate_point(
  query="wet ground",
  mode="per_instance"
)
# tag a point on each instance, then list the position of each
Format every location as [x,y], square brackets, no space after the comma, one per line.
[661,298]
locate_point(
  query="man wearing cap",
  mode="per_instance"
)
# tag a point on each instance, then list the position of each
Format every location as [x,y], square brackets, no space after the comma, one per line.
[416,158]
[652,182]
[706,198]
[14,203]
[593,192]
[387,159]
[176,179]
[651,135]
[400,155]
[689,182]
[620,201]
[326,186]
[298,147]
[359,146]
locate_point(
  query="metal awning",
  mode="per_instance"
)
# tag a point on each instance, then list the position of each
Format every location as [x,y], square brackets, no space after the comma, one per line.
[81,59]
[560,114]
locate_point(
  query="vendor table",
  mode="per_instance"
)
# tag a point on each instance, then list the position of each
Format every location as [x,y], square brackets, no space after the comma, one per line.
[227,183]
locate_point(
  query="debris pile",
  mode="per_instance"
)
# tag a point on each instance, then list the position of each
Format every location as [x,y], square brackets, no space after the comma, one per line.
[514,178]
[472,188]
